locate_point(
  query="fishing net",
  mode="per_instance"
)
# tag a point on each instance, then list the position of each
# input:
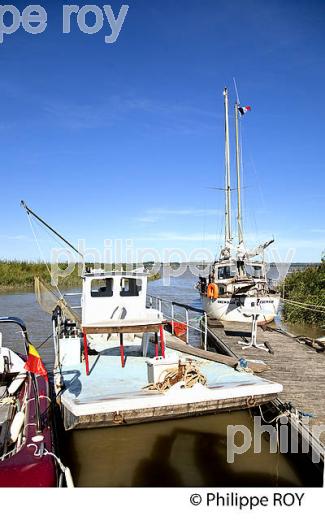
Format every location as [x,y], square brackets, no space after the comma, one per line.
[49,299]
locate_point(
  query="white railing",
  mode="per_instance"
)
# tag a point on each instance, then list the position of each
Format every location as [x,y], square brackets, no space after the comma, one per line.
[182,313]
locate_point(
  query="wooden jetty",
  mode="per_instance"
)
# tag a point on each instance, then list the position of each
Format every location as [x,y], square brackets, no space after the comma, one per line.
[300,368]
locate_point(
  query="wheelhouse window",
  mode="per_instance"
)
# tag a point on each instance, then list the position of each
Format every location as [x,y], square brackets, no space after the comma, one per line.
[255,271]
[102,288]
[130,287]
[226,271]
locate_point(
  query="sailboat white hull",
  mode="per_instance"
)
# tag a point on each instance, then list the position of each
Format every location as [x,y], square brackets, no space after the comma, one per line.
[229,309]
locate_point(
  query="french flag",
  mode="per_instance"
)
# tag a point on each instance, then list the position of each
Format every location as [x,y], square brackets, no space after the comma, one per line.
[243,110]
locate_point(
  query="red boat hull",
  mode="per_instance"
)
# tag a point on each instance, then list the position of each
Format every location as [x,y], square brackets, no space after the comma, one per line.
[25,468]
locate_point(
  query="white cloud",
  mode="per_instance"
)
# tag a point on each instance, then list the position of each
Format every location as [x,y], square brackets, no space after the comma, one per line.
[147,220]
[179,237]
[155,214]
[14,237]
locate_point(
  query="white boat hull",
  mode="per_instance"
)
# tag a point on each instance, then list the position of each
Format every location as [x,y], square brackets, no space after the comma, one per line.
[229,309]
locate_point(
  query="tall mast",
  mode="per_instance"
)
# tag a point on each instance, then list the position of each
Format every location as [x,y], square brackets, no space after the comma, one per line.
[239,215]
[228,236]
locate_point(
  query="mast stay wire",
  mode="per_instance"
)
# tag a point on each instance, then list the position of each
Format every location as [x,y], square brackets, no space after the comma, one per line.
[241,165]
[42,254]
[48,233]
[237,96]
[244,205]
[51,235]
[249,216]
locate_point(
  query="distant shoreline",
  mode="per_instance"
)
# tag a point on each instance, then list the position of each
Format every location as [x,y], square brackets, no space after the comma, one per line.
[19,275]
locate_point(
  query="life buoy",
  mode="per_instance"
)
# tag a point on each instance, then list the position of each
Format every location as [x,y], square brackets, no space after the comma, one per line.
[213,291]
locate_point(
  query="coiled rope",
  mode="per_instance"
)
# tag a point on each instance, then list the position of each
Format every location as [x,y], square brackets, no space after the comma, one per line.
[188,373]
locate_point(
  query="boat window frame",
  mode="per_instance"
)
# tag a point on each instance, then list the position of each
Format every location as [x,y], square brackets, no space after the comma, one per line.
[253,268]
[131,293]
[232,274]
[97,294]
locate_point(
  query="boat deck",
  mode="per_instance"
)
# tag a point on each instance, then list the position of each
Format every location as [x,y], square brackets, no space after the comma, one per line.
[111,380]
[110,389]
[299,368]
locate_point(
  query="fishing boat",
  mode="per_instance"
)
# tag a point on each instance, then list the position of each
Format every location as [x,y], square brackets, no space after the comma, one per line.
[237,280]
[27,456]
[115,364]
[118,366]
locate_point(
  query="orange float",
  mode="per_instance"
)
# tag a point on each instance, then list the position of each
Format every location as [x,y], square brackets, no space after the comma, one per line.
[213,291]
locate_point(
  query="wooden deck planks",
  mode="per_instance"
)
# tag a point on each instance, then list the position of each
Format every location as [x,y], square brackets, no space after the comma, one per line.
[299,368]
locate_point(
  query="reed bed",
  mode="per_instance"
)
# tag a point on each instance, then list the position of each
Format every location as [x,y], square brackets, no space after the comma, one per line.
[16,275]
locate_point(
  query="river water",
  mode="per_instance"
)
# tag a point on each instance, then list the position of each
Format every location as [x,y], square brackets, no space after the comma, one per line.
[183,452]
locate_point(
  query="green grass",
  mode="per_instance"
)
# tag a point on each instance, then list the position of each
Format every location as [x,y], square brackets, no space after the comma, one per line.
[20,275]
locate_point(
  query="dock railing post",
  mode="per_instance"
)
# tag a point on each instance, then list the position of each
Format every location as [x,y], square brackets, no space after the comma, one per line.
[205,331]
[172,313]
[187,326]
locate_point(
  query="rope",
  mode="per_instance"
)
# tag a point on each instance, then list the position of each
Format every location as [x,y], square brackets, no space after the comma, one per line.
[50,234]
[41,252]
[319,308]
[275,419]
[40,453]
[194,318]
[189,374]
[43,342]
[302,303]
[242,366]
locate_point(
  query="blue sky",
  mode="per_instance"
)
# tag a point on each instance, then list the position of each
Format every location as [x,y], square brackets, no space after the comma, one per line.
[123,140]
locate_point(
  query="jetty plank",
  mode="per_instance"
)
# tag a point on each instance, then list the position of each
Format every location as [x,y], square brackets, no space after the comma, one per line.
[232,361]
[298,367]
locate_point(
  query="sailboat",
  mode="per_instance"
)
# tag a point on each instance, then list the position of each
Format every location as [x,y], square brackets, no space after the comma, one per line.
[237,280]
